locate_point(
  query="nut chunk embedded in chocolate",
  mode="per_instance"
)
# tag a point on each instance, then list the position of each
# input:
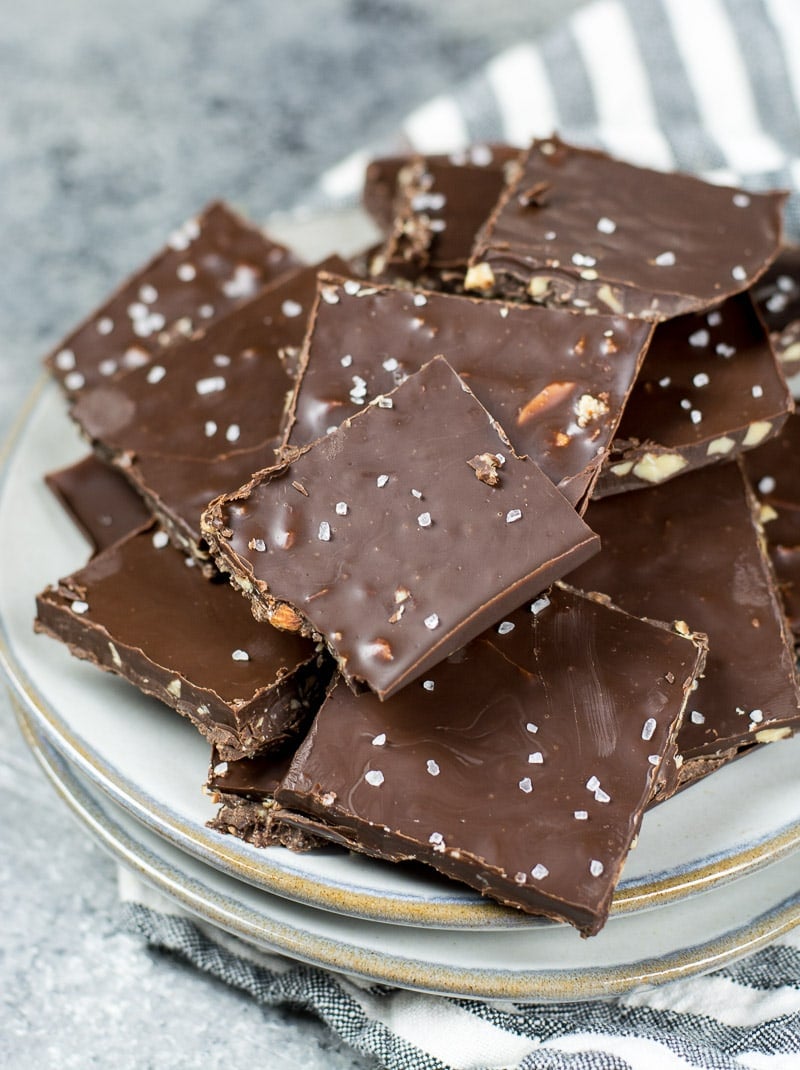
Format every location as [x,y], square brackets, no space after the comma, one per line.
[380,538]
[209,266]
[137,610]
[521,765]
[583,230]
[709,389]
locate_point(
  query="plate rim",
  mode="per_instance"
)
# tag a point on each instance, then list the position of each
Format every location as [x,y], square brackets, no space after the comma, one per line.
[408,973]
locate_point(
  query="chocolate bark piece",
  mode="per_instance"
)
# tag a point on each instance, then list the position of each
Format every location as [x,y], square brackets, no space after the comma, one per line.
[583,230]
[439,209]
[137,610]
[694,552]
[556,381]
[520,766]
[710,387]
[208,267]
[202,421]
[384,175]
[382,538]
[786,562]
[101,502]
[777,295]
[245,790]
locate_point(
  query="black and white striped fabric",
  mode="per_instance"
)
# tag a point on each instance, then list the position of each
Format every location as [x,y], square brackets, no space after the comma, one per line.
[707,86]
[744,1016]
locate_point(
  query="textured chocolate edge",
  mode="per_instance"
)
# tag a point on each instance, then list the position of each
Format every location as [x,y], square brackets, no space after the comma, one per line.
[237,730]
[619,472]
[259,823]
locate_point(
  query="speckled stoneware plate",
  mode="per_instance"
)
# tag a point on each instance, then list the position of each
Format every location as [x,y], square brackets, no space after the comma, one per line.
[152,763]
[544,962]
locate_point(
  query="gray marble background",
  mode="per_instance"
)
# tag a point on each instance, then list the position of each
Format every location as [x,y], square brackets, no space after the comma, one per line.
[118,119]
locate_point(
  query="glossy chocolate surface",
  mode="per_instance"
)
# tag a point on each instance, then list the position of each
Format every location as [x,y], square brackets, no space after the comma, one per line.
[582,229]
[208,267]
[386,542]
[100,501]
[555,381]
[691,550]
[140,610]
[710,387]
[200,423]
[521,765]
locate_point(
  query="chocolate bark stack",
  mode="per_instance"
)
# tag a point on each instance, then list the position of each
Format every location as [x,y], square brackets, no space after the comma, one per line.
[425,651]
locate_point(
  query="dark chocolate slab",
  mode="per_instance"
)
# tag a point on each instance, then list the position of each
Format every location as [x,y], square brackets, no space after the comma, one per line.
[100,501]
[208,267]
[386,540]
[140,610]
[200,423]
[710,388]
[583,230]
[693,551]
[383,174]
[521,765]
[556,381]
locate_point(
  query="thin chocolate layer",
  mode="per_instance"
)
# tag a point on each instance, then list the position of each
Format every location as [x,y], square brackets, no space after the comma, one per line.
[383,175]
[556,381]
[693,551]
[137,610]
[774,471]
[709,389]
[583,230]
[209,266]
[200,423]
[521,765]
[100,501]
[401,535]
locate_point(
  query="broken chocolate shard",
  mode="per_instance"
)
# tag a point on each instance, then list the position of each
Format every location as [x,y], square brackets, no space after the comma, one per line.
[496,769]
[598,243]
[208,267]
[709,389]
[100,501]
[139,610]
[417,531]
[213,414]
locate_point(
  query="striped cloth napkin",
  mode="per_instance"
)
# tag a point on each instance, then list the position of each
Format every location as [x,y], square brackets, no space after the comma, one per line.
[707,86]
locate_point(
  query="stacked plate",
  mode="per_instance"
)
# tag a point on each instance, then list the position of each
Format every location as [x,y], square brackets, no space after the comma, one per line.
[715,875]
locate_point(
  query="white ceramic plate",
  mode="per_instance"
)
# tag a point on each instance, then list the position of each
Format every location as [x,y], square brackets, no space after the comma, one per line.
[152,762]
[546,962]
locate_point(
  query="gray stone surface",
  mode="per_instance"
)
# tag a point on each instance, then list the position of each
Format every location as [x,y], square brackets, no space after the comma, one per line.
[118,119]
